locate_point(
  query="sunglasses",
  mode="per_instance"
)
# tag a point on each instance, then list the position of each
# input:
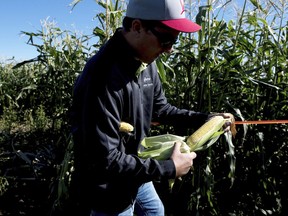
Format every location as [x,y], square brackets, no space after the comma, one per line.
[166,40]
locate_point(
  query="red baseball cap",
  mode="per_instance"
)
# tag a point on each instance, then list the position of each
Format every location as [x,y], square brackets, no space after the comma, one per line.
[170,13]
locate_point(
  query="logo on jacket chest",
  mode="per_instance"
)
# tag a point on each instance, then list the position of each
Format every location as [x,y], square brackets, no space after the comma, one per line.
[147,81]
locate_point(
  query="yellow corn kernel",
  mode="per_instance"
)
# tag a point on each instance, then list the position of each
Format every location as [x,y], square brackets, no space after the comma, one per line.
[125,127]
[205,132]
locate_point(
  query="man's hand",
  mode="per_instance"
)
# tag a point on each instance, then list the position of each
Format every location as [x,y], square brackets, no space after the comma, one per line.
[229,124]
[182,161]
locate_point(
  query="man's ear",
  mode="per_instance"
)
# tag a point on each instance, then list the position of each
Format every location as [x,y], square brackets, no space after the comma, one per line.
[136,26]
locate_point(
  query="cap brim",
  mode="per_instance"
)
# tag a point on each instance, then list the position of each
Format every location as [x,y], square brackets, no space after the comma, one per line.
[182,25]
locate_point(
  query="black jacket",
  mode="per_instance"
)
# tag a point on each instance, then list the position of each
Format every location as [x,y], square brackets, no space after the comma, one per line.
[109,91]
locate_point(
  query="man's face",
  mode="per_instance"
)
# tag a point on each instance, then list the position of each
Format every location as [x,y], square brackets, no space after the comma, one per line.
[154,41]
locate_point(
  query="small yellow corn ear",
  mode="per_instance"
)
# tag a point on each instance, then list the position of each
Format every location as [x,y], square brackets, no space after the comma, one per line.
[205,132]
[125,127]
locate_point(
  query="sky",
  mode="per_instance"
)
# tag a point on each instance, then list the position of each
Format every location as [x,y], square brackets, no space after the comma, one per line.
[26,15]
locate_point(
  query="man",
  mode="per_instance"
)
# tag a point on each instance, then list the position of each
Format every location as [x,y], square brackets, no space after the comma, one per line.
[121,83]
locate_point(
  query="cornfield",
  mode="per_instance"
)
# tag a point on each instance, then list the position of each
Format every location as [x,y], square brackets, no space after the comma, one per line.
[237,63]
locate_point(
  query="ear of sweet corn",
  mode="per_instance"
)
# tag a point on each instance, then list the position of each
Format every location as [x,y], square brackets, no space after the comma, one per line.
[161,147]
[206,132]
[125,127]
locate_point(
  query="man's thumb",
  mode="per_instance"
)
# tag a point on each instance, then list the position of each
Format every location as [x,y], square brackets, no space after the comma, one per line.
[177,146]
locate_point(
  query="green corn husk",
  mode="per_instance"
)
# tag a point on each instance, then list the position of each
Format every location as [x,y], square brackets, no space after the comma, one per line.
[154,148]
[161,147]
[160,139]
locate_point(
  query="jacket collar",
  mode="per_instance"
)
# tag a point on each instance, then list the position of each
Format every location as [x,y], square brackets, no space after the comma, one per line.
[124,52]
